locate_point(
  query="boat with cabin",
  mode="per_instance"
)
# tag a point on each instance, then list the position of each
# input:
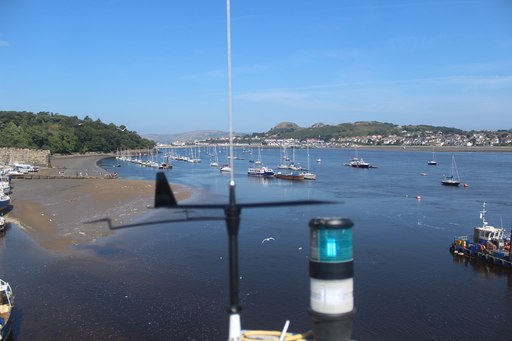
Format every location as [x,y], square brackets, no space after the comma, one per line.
[358,162]
[260,171]
[5,184]
[490,244]
[6,307]
[225,168]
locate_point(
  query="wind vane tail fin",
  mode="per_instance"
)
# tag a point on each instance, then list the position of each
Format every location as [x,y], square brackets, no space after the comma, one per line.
[163,193]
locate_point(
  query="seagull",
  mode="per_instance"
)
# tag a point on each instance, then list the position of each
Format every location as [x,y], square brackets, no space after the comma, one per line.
[267,239]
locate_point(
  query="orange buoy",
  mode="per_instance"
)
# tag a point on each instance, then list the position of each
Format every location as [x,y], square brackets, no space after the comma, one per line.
[466,185]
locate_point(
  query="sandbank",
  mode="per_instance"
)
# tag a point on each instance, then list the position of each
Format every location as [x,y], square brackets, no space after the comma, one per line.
[54,211]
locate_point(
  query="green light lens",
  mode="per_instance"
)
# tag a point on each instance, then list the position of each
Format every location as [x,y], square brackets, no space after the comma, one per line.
[331,245]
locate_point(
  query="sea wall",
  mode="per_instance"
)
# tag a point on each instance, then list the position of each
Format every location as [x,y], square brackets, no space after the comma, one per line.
[34,157]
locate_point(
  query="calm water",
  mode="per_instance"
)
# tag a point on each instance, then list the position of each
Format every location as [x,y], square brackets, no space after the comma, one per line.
[169,282]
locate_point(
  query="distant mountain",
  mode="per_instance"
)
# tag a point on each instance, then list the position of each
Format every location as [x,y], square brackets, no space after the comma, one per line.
[187,136]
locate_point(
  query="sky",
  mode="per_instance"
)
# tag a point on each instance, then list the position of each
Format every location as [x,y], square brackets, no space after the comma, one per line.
[160,66]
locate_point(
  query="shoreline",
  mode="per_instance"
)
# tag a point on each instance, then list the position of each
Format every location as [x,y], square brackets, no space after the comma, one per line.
[54,212]
[462,149]
[440,149]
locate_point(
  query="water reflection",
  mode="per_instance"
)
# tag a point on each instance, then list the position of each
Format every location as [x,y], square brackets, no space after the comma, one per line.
[485,269]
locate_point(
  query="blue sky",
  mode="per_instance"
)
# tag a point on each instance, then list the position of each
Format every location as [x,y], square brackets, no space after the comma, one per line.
[161,66]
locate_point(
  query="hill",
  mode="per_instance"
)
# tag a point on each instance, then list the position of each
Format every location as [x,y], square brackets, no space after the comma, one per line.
[285,130]
[65,134]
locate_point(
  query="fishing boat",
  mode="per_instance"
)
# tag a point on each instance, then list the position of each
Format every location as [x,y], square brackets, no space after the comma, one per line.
[260,171]
[6,306]
[453,179]
[432,162]
[489,244]
[290,176]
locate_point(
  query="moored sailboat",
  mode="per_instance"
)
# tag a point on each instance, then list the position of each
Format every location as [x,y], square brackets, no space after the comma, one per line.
[453,179]
[432,162]
[308,175]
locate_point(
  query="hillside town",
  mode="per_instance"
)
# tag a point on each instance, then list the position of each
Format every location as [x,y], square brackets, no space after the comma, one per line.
[407,139]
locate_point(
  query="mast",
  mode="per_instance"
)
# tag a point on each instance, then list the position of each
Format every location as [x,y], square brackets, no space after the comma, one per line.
[482,215]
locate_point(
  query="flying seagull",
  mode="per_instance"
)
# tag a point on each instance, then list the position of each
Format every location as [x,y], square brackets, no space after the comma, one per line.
[267,239]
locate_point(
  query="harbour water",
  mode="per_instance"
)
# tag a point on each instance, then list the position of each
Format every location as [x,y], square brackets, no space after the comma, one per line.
[170,281]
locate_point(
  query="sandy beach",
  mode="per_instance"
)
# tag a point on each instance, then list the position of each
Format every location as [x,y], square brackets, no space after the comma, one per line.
[54,212]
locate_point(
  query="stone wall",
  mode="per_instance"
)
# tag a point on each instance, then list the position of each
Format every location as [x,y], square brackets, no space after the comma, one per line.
[34,157]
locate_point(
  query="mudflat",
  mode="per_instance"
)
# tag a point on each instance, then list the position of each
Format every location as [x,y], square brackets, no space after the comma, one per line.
[55,212]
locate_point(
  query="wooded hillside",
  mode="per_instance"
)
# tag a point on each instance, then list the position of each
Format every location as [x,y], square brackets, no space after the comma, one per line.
[65,134]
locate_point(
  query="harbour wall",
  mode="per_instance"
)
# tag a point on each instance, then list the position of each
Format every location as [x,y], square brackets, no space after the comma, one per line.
[34,157]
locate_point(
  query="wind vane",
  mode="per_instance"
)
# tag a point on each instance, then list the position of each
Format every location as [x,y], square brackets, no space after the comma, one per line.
[164,198]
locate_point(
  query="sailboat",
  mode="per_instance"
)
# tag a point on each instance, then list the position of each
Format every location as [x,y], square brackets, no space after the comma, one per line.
[285,158]
[432,162]
[453,179]
[258,162]
[215,161]
[308,175]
